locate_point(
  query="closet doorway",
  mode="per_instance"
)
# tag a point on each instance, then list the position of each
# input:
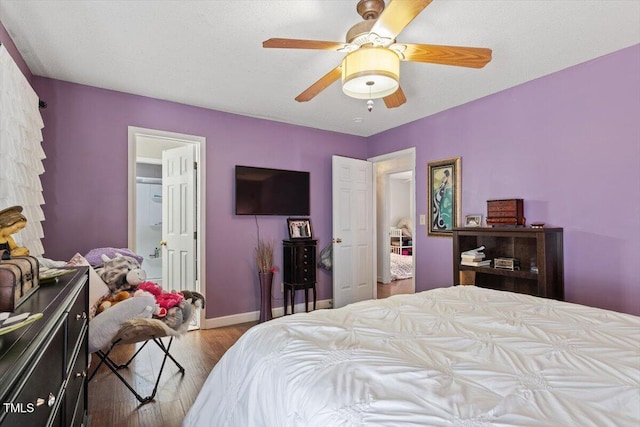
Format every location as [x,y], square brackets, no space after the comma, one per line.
[166,195]
[395,222]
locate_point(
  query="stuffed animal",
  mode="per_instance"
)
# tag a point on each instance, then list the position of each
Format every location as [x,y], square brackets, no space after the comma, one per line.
[112,300]
[174,307]
[164,299]
[193,297]
[122,273]
[176,316]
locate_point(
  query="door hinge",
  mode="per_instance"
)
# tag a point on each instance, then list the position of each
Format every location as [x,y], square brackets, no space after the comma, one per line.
[195,235]
[195,165]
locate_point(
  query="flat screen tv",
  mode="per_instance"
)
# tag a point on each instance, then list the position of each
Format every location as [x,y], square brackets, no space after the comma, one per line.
[263,191]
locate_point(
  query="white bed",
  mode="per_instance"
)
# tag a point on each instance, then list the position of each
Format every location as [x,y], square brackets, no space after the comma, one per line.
[401,266]
[459,356]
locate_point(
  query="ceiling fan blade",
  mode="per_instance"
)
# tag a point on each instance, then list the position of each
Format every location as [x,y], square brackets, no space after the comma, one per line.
[396,99]
[324,82]
[303,44]
[473,57]
[396,16]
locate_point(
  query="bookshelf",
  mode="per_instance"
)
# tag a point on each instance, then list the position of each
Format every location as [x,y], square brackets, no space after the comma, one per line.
[534,247]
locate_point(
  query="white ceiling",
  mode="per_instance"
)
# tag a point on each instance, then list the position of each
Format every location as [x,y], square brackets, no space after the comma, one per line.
[209,53]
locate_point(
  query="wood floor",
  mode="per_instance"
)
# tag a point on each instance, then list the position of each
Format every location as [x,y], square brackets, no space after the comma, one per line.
[111,404]
[403,286]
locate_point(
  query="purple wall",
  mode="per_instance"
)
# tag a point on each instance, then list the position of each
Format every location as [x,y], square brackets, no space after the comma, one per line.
[85,183]
[569,145]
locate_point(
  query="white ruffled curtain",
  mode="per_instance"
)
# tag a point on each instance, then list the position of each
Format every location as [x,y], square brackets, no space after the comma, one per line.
[21,151]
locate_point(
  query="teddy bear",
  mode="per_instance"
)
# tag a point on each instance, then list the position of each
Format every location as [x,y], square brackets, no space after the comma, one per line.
[112,300]
[121,273]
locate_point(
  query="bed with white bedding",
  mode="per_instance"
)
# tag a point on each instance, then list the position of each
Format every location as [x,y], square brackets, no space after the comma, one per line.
[459,356]
[401,266]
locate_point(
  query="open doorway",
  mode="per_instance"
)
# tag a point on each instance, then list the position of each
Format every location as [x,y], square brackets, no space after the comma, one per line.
[166,207]
[400,232]
[395,218]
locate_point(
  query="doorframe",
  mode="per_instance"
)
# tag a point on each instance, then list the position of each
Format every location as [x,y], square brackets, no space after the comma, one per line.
[199,143]
[410,155]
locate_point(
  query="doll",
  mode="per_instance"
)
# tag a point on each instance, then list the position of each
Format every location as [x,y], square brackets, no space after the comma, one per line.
[11,221]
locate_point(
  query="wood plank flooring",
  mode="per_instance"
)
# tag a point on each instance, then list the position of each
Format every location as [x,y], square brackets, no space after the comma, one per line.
[111,404]
[402,286]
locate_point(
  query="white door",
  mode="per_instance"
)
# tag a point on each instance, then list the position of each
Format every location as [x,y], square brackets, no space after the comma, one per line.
[179,219]
[353,231]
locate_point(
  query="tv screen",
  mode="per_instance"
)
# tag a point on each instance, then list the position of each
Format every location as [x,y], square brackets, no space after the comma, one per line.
[263,191]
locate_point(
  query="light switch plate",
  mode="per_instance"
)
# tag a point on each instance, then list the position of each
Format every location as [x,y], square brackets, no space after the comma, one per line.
[423,219]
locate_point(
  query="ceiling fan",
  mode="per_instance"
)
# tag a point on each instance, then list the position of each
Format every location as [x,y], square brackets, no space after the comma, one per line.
[371,68]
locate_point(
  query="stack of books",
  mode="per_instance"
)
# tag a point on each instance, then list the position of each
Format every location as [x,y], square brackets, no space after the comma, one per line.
[474,258]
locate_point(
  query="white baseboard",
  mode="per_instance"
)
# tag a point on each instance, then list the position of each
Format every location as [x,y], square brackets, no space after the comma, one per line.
[253,316]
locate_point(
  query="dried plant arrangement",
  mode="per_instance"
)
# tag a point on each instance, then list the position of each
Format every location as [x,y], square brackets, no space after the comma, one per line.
[264,256]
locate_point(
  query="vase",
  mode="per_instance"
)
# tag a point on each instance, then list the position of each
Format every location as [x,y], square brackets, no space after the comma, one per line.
[266,279]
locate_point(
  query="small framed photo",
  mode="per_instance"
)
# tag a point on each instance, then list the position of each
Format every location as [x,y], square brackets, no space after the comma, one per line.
[299,228]
[473,221]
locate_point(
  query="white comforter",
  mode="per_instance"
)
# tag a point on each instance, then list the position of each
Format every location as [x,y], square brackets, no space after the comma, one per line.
[461,356]
[401,266]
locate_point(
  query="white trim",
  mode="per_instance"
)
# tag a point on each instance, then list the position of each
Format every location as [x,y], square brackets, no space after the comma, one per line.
[409,153]
[200,144]
[254,316]
[149,160]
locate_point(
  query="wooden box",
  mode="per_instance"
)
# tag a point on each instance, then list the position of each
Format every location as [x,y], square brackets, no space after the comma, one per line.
[18,280]
[505,212]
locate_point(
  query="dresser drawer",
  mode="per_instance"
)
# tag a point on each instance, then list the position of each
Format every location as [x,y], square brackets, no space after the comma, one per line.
[76,324]
[74,393]
[77,416]
[44,382]
[299,260]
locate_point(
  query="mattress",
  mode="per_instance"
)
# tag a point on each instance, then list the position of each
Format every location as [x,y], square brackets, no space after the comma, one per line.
[459,356]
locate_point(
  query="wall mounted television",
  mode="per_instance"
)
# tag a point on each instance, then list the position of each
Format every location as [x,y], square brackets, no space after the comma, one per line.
[264,191]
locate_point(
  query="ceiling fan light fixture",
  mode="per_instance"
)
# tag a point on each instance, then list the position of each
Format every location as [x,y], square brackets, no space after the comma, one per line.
[370,73]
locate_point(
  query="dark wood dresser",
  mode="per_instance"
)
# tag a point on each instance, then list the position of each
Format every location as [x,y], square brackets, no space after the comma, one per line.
[299,270]
[46,362]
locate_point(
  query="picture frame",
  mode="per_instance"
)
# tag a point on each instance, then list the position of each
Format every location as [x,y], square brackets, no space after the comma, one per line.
[299,228]
[473,220]
[444,196]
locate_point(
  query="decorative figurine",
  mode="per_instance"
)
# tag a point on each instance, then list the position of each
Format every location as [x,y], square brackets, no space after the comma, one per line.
[11,221]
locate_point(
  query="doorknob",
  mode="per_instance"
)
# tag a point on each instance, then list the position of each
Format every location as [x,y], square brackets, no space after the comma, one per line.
[338,240]
[163,243]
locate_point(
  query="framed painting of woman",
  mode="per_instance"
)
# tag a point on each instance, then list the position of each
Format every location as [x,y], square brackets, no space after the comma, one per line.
[444,196]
